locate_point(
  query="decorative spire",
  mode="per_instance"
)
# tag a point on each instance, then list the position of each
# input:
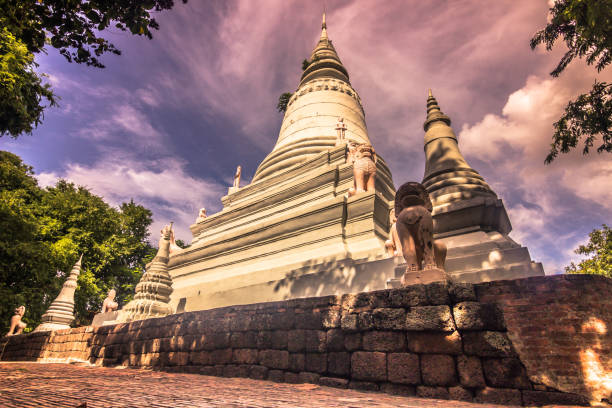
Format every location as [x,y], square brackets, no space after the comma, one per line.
[152,295]
[434,114]
[60,313]
[448,177]
[323,28]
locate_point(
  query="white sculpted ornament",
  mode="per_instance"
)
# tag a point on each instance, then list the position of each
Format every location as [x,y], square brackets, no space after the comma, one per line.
[17,325]
[364,161]
[109,304]
[237,177]
[201,215]
[340,130]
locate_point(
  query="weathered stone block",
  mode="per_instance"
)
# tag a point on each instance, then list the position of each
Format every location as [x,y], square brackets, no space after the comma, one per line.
[311,378]
[470,372]
[216,341]
[434,342]
[339,363]
[309,320]
[424,391]
[316,340]
[459,393]
[246,339]
[363,385]
[199,357]
[245,356]
[258,372]
[389,319]
[369,366]
[235,371]
[316,362]
[276,375]
[291,378]
[349,322]
[260,322]
[462,292]
[223,356]
[403,368]
[540,398]
[487,344]
[297,362]
[332,318]
[296,340]
[333,382]
[352,341]
[505,373]
[438,369]
[398,389]
[437,293]
[414,295]
[498,396]
[365,321]
[241,322]
[274,359]
[178,358]
[384,341]
[334,340]
[437,318]
[478,316]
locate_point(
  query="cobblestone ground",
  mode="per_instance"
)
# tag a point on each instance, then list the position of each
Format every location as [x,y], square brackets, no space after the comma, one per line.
[66,385]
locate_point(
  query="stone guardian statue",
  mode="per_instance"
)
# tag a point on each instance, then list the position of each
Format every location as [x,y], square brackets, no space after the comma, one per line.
[393,245]
[364,167]
[414,226]
[109,304]
[17,325]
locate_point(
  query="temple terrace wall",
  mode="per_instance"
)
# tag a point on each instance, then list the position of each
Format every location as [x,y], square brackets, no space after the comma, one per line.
[534,341]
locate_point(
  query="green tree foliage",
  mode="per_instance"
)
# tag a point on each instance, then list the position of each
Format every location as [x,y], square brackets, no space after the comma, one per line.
[589,116]
[21,89]
[283,100]
[586,28]
[42,233]
[599,248]
[75,28]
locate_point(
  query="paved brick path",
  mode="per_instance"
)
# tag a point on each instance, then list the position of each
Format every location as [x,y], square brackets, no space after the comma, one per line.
[65,385]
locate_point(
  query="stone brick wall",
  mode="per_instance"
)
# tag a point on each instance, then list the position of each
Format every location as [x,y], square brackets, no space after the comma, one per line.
[485,343]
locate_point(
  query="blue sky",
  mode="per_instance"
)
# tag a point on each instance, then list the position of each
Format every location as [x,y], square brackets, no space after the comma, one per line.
[167,122]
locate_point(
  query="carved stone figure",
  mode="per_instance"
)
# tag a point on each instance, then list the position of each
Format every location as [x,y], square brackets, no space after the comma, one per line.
[61,311]
[415,231]
[201,215]
[364,161]
[109,304]
[393,244]
[237,177]
[17,325]
[173,247]
[153,291]
[340,130]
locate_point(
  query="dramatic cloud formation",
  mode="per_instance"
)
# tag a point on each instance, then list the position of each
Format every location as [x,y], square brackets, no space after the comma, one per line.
[167,122]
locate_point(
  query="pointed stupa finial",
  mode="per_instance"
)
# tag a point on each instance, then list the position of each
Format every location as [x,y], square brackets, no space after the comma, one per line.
[79,261]
[434,114]
[323,28]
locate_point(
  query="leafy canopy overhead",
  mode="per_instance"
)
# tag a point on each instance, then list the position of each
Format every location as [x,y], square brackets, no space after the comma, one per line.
[76,29]
[586,28]
[600,249]
[44,230]
[21,88]
[74,26]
